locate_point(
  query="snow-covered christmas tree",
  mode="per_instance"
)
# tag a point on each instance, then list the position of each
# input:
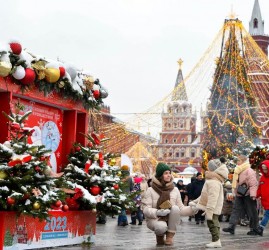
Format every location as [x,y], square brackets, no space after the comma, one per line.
[27,183]
[97,181]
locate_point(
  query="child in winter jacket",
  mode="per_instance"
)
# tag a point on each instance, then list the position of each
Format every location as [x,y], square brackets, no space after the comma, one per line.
[263,192]
[211,199]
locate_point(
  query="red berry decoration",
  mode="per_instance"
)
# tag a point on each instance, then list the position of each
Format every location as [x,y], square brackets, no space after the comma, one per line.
[95,190]
[10,201]
[77,149]
[29,77]
[16,48]
[62,71]
[116,186]
[89,145]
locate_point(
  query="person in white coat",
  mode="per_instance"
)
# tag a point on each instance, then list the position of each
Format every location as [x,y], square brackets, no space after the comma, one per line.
[211,199]
[162,206]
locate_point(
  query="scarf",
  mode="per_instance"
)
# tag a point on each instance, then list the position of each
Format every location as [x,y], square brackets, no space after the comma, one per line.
[163,191]
[237,171]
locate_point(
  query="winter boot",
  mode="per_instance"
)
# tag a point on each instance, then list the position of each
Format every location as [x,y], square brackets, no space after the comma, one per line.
[215,244]
[160,240]
[169,238]
[229,229]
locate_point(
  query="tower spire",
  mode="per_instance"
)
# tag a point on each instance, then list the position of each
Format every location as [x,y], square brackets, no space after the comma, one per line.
[179,92]
[256,28]
[256,24]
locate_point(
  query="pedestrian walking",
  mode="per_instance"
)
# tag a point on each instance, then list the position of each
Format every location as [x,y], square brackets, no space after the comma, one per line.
[211,199]
[140,185]
[182,189]
[244,186]
[195,191]
[263,193]
[128,187]
[227,202]
[162,206]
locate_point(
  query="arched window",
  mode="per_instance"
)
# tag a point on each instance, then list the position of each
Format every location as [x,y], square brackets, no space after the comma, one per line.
[255,23]
[182,152]
[192,153]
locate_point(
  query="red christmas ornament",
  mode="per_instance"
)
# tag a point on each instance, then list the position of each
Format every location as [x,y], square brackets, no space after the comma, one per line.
[89,145]
[16,48]
[65,208]
[15,126]
[95,190]
[58,203]
[26,196]
[10,201]
[101,160]
[26,158]
[87,166]
[95,138]
[62,71]
[116,186]
[96,94]
[72,203]
[37,169]
[14,162]
[29,77]
[77,149]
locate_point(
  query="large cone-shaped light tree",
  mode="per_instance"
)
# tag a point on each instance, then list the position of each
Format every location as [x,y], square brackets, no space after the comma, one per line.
[231,119]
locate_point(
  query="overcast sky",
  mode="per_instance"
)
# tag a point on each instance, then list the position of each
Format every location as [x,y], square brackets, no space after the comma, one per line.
[132,46]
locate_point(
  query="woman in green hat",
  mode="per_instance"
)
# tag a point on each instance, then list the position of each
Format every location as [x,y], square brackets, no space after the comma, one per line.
[162,206]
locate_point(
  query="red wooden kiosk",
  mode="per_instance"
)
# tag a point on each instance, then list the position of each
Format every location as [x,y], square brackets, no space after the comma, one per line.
[68,119]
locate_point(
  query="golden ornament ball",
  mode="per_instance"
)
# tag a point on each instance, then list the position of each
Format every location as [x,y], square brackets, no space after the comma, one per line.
[36,205]
[61,84]
[5,68]
[3,175]
[52,75]
[112,162]
[119,173]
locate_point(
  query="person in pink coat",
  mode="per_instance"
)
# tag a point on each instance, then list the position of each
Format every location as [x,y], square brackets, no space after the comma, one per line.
[244,174]
[263,193]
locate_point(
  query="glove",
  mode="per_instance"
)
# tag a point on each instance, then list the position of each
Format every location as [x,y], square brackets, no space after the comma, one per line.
[162,212]
[192,204]
[194,208]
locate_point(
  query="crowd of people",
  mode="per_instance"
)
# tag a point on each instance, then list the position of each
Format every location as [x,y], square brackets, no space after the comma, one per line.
[213,197]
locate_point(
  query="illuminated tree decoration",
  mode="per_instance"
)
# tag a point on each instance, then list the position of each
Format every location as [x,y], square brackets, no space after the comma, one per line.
[231,110]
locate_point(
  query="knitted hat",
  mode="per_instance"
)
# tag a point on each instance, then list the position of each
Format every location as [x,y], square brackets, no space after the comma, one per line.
[198,173]
[161,168]
[214,164]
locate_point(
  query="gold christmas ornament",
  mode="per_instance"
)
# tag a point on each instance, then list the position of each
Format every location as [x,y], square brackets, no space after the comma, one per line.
[39,68]
[3,175]
[119,173]
[61,84]
[36,205]
[112,162]
[52,75]
[88,83]
[5,68]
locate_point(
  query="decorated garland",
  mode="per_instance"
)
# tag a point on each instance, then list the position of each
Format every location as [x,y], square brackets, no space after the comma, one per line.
[30,71]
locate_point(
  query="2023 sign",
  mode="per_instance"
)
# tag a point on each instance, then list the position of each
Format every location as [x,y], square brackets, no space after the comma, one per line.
[56,224]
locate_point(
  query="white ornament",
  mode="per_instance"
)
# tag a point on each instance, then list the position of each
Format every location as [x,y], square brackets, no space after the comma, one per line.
[19,73]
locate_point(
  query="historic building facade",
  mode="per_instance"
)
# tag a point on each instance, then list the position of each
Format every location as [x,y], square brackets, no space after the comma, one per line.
[180,144]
